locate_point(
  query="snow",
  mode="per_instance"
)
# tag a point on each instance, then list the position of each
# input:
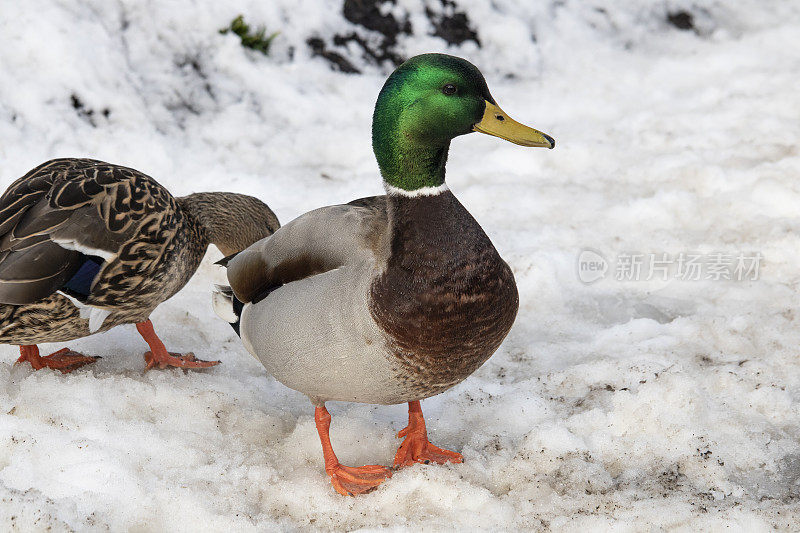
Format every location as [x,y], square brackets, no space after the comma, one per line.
[618,405]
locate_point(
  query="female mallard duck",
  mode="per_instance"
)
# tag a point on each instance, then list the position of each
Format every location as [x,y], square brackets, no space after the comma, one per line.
[86,246]
[393,298]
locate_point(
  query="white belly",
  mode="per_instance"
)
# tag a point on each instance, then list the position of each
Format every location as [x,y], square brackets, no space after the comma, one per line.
[317,336]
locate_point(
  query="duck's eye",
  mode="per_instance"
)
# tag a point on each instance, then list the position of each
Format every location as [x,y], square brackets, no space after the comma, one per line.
[449,89]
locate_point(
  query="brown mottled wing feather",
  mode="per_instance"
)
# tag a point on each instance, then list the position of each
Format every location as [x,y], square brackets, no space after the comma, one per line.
[316,242]
[64,204]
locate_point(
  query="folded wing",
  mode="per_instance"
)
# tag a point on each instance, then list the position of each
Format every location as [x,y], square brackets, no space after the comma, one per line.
[61,213]
[316,242]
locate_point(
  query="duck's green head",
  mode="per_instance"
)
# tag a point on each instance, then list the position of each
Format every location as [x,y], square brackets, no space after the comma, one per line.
[426,102]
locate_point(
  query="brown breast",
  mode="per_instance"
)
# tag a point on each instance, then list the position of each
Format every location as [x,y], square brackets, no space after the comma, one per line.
[446,299]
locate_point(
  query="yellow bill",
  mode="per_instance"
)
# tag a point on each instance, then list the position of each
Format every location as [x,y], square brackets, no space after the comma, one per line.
[496,122]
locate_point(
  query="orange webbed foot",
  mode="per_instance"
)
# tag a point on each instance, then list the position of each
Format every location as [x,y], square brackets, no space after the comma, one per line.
[349,481]
[64,360]
[416,448]
[176,360]
[158,356]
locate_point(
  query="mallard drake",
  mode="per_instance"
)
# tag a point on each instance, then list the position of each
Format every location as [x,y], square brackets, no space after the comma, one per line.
[393,298]
[87,245]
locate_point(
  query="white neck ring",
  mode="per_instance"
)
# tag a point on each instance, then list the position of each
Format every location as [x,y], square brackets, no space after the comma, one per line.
[391,190]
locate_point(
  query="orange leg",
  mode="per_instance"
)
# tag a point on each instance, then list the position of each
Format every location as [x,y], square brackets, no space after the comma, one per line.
[416,448]
[159,356]
[64,359]
[346,480]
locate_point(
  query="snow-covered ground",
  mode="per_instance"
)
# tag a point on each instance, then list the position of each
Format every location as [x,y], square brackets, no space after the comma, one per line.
[619,405]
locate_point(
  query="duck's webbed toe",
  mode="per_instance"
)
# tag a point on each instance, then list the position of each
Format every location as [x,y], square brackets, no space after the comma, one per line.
[158,356]
[348,480]
[64,360]
[416,448]
[178,360]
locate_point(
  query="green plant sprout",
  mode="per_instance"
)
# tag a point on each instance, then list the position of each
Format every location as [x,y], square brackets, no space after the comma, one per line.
[257,40]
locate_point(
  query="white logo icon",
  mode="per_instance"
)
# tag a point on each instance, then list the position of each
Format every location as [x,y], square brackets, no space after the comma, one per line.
[592,266]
